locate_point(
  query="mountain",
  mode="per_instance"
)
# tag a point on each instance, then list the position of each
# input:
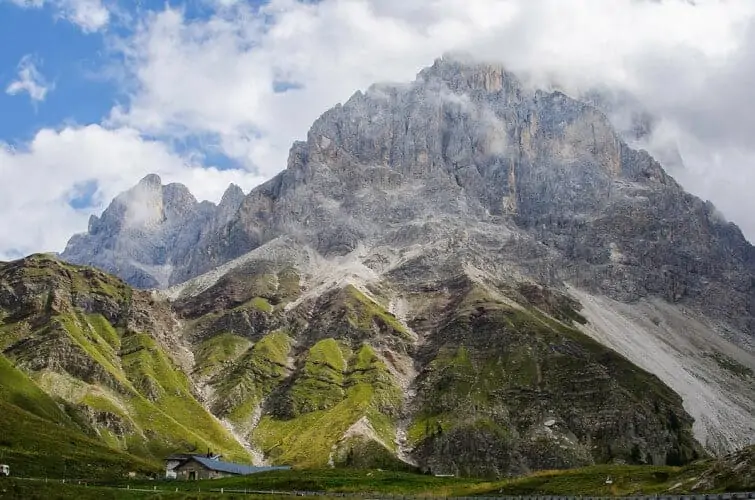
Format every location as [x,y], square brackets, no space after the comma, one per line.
[330,379]
[460,273]
[43,438]
[150,231]
[91,354]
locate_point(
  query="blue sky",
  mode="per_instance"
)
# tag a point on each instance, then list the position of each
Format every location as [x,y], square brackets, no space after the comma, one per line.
[95,94]
[67,56]
[79,64]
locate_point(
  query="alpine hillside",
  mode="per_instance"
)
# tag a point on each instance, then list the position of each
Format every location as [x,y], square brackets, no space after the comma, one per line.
[460,274]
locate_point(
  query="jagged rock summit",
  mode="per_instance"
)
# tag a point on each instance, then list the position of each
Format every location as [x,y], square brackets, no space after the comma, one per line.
[150,230]
[444,275]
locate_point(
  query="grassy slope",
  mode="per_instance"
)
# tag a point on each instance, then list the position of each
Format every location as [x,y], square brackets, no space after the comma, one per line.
[214,353]
[241,387]
[362,312]
[148,367]
[335,389]
[39,438]
[110,373]
[493,357]
[36,447]
[17,389]
[154,400]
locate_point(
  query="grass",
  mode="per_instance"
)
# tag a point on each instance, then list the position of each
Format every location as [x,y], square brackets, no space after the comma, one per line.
[588,481]
[105,330]
[150,369]
[88,339]
[214,353]
[36,447]
[17,389]
[626,480]
[241,387]
[335,389]
[320,385]
[261,304]
[338,481]
[363,312]
[55,490]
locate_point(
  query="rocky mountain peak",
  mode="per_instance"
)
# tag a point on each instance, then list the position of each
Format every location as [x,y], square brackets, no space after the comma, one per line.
[466,145]
[151,180]
[232,196]
[147,228]
[145,207]
[177,199]
[464,74]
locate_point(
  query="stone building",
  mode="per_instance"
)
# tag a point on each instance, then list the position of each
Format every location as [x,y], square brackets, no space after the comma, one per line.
[196,467]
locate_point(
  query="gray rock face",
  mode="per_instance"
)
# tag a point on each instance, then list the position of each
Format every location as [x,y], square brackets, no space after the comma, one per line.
[150,231]
[466,143]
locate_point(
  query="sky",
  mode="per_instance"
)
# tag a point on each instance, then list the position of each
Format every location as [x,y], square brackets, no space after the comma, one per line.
[95,94]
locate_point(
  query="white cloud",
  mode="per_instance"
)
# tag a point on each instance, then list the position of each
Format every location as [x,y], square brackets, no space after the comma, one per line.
[30,80]
[89,15]
[40,180]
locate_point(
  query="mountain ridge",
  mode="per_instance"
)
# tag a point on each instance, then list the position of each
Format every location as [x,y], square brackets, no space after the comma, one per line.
[418,222]
[329,382]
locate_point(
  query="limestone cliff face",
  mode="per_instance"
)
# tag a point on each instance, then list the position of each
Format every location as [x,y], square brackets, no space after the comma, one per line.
[148,233]
[467,141]
[405,291]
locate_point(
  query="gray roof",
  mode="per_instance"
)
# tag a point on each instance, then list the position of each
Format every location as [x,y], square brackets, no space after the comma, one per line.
[231,468]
